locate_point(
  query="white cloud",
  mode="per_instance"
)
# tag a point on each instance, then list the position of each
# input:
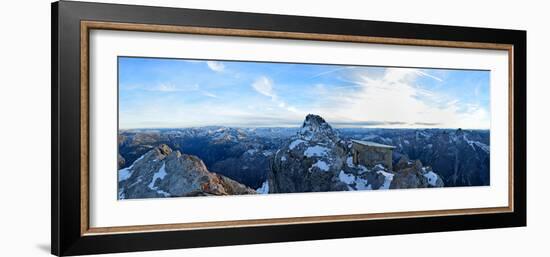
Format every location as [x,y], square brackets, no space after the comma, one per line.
[264,86]
[395,97]
[215,66]
[292,109]
[406,75]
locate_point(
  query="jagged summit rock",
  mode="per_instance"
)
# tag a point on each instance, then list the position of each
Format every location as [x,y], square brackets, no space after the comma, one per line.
[315,123]
[162,172]
[316,128]
[308,161]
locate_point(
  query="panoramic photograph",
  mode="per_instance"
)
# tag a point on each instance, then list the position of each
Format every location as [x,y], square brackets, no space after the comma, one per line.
[215,128]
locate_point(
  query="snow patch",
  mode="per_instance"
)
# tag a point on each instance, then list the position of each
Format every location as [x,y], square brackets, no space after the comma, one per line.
[388,177]
[321,165]
[349,162]
[126,173]
[295,143]
[346,178]
[160,174]
[315,151]
[252,151]
[283,158]
[473,143]
[483,146]
[264,189]
[165,194]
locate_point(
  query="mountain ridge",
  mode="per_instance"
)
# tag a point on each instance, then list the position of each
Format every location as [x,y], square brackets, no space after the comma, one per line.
[162,172]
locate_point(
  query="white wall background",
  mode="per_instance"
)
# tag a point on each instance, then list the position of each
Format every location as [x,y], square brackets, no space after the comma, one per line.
[25,127]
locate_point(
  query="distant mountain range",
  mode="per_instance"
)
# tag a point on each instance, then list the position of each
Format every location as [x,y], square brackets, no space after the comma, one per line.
[311,158]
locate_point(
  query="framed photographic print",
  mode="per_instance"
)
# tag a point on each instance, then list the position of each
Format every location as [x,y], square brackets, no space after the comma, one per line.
[177,128]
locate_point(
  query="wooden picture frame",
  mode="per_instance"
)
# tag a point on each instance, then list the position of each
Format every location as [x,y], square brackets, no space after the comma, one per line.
[71,25]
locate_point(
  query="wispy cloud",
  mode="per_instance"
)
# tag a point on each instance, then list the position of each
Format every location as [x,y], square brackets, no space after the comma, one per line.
[419,72]
[216,66]
[264,86]
[209,94]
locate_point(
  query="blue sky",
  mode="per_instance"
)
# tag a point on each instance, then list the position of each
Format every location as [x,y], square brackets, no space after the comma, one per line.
[174,93]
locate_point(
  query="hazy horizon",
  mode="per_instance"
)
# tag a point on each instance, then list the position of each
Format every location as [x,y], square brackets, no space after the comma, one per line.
[294,127]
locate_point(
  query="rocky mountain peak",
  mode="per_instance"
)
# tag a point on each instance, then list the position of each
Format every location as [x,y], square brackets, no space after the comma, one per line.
[315,127]
[314,120]
[315,123]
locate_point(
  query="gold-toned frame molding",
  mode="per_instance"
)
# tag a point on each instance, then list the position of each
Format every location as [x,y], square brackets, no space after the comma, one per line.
[86,26]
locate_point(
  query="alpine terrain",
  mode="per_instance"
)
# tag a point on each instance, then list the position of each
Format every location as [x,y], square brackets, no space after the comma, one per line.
[314,157]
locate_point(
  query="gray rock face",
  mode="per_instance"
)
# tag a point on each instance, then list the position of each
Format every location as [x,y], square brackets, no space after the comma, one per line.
[309,161]
[317,160]
[411,174]
[162,172]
